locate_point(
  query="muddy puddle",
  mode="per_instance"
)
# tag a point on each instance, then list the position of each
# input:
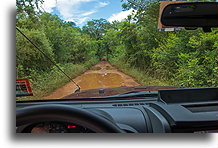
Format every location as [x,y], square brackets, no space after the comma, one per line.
[96,80]
[102,75]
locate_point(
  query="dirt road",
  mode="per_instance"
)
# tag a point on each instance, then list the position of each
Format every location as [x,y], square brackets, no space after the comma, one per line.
[102,75]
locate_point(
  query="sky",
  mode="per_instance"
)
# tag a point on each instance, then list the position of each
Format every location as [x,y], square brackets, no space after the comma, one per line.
[81,11]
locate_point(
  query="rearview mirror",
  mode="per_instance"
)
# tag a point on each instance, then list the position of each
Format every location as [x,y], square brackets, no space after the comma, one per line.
[198,14]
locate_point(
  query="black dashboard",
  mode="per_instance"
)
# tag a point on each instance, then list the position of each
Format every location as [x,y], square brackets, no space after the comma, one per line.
[183,110]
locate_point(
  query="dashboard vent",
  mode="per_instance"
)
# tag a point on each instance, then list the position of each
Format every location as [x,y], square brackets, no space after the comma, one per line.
[128,104]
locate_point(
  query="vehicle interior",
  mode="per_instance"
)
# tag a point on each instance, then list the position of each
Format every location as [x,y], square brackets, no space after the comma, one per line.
[140,109]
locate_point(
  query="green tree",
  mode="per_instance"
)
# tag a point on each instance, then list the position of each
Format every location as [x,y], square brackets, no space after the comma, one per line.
[96,28]
[29,60]
[27,9]
[63,36]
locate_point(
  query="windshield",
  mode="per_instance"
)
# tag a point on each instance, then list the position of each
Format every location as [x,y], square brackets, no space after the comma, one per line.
[66,47]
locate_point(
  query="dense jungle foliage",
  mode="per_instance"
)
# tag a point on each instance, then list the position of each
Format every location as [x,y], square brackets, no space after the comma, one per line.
[134,43]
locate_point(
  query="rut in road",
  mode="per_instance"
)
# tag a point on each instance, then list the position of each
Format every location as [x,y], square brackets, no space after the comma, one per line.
[102,75]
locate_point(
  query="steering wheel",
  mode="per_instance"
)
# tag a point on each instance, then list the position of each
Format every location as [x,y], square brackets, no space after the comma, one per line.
[65,113]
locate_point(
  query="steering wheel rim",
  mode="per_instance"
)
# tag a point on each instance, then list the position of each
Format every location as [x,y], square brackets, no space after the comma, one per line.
[65,113]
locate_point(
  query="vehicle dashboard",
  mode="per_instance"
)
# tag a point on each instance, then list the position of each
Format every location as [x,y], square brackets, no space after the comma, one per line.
[169,112]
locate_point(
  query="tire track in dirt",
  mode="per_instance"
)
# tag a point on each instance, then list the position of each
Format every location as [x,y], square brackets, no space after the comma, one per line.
[102,75]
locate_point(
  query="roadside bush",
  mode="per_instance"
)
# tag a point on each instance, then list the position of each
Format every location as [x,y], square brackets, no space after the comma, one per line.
[29,59]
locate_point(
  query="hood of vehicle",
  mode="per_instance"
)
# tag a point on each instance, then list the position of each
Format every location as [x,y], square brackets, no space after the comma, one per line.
[102,92]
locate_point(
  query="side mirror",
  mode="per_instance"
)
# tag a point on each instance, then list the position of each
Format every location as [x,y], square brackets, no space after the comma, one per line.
[197,14]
